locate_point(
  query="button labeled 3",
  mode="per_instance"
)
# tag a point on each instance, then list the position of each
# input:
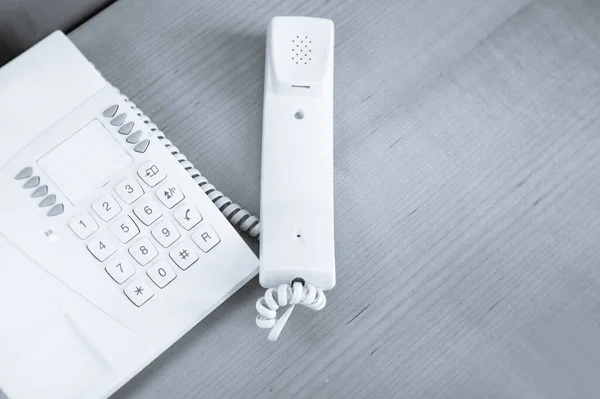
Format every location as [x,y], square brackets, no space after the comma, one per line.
[129,190]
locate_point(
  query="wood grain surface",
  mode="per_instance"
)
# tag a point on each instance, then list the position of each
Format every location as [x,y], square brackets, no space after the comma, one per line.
[467,181]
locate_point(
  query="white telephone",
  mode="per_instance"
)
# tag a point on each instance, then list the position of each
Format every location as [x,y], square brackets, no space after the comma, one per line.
[112,245]
[109,248]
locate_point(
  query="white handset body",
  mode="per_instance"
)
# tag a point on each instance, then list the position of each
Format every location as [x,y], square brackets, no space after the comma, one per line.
[297,203]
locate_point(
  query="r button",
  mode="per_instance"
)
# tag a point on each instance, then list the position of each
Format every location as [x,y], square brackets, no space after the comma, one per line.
[206,238]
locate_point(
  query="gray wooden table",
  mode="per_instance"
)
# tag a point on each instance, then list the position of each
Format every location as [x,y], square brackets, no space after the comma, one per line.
[467,178]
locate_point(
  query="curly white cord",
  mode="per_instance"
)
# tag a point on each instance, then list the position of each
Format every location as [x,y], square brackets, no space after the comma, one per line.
[298,294]
[237,216]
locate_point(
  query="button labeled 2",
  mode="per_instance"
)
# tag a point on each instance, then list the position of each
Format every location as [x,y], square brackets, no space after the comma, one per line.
[107,207]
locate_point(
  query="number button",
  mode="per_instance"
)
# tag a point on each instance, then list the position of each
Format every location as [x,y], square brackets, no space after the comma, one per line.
[143,251]
[152,174]
[187,216]
[102,247]
[148,211]
[120,270]
[184,255]
[161,274]
[138,292]
[83,226]
[125,229]
[166,234]
[206,238]
[129,190]
[170,195]
[107,207]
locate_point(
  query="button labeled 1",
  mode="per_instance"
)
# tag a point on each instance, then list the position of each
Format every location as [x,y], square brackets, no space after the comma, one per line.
[170,195]
[83,226]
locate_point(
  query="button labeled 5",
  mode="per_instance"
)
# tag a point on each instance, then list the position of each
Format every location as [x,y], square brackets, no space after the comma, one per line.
[125,229]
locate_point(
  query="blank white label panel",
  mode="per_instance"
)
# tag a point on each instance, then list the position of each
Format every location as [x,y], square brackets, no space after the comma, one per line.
[85,161]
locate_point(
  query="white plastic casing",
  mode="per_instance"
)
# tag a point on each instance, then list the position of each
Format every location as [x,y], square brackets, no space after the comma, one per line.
[297,206]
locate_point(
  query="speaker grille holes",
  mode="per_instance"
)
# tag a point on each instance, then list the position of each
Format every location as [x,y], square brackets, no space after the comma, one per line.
[299,114]
[299,52]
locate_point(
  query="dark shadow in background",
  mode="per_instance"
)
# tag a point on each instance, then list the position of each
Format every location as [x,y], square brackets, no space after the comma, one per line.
[24,23]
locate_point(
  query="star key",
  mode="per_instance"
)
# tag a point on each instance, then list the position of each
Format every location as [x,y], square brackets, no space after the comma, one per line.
[138,292]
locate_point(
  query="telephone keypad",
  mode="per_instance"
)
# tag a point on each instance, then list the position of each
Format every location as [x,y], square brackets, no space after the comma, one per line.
[143,244]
